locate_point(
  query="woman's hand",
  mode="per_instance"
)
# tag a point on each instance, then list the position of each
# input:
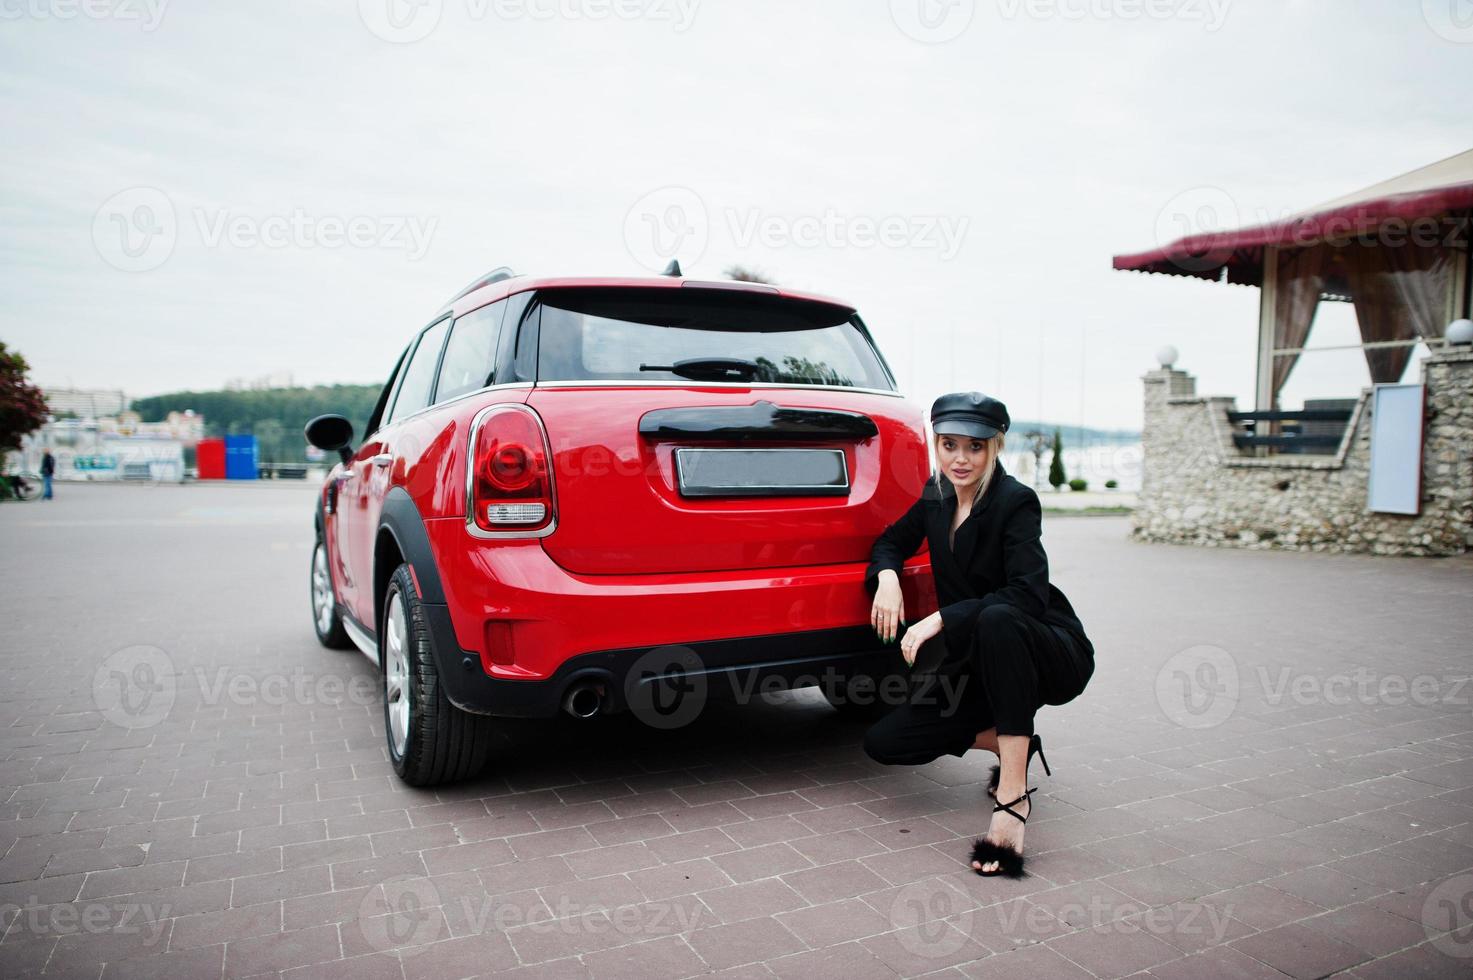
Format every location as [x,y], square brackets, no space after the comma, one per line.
[918,634]
[888,611]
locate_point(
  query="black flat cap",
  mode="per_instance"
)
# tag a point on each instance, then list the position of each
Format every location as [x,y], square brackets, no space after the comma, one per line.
[969,413]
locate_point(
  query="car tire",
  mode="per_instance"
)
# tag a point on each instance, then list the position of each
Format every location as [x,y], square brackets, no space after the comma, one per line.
[430,740]
[863,695]
[326,622]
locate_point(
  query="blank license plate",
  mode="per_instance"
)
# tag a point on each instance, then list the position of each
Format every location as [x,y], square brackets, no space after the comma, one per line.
[762,472]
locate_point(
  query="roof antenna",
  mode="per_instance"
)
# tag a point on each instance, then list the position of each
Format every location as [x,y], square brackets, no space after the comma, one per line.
[673,269]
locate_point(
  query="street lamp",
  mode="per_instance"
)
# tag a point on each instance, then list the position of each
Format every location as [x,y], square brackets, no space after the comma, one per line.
[1037,443]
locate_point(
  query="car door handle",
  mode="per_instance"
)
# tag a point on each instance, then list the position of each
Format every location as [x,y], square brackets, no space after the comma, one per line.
[382,459]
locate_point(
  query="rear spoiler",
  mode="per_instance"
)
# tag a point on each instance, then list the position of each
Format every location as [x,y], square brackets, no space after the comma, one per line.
[760,420]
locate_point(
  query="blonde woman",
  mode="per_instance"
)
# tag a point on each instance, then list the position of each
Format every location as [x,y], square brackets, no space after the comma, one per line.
[1004,641]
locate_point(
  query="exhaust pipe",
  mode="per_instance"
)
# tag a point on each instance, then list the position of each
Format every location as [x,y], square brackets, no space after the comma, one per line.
[584,700]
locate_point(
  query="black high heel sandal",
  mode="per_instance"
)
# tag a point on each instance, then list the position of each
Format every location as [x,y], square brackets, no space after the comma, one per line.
[1009,860]
[1035,747]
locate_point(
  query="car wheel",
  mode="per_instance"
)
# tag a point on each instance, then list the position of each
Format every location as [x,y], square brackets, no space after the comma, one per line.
[431,741]
[325,619]
[865,696]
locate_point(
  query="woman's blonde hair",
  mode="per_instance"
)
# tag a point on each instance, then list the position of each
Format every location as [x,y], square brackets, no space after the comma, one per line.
[994,450]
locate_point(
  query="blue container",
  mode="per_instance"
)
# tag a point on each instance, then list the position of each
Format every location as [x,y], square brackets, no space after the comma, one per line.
[240,458]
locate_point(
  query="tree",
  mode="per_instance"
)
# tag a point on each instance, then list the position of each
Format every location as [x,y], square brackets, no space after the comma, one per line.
[243,412]
[22,406]
[271,442]
[1056,476]
[742,273]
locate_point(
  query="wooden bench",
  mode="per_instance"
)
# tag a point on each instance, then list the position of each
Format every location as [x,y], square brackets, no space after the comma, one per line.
[1291,437]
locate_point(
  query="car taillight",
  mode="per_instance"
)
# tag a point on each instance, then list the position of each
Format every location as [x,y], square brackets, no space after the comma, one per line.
[510,483]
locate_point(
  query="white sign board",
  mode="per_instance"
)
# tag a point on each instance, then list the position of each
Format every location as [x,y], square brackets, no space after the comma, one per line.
[1396,450]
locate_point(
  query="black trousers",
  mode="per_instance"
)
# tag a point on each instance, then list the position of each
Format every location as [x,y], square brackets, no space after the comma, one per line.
[1016,665]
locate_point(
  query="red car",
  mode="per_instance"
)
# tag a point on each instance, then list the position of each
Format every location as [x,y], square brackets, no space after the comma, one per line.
[592,495]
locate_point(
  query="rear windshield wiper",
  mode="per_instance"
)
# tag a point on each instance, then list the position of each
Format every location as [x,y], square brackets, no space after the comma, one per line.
[710,368]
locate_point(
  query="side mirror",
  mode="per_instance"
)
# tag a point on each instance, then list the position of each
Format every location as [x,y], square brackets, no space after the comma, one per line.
[333,434]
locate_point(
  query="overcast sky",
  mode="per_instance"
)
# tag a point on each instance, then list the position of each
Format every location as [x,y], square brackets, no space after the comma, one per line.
[198,190]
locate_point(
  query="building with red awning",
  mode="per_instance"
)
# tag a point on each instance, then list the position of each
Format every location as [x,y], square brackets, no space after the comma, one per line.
[1390,471]
[1398,250]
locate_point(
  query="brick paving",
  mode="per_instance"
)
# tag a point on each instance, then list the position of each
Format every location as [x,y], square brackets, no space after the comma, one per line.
[1271,774]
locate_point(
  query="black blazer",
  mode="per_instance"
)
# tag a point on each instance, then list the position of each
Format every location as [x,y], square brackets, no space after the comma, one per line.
[998,558]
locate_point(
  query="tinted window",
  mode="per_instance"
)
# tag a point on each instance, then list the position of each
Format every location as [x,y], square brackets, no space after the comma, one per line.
[380,406]
[470,355]
[419,376]
[639,335]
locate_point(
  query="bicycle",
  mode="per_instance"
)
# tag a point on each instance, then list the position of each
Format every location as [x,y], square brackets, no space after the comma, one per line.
[22,486]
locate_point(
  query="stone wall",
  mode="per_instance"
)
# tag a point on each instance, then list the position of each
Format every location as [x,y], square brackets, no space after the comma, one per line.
[1197,488]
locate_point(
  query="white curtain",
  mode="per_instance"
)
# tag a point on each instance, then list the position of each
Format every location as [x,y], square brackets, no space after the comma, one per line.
[1300,281]
[1400,293]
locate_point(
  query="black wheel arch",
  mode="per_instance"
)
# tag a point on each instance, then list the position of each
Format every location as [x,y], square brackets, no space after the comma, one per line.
[402,538]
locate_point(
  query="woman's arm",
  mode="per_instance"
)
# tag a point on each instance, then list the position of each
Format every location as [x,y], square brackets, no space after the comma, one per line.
[894,545]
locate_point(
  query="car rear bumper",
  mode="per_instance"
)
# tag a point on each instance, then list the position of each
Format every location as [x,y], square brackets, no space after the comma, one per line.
[648,679]
[517,633]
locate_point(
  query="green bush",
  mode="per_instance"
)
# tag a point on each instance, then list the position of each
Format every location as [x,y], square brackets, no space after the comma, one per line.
[1112,484]
[1078,483]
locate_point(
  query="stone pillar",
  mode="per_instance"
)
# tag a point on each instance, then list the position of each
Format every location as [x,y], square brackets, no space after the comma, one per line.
[1447,466]
[1160,435]
[1157,430]
[1164,383]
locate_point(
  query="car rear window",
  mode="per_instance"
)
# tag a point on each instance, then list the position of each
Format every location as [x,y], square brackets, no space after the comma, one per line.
[637,335]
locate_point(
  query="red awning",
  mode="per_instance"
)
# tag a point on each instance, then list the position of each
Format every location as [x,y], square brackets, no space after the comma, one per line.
[1432,192]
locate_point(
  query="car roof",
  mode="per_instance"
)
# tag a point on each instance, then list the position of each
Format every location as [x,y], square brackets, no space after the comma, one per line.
[500,289]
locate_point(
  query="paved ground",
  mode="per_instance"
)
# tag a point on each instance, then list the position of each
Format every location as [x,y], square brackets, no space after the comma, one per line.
[1067,500]
[1272,773]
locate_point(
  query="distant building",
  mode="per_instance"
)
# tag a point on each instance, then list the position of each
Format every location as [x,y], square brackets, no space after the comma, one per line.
[119,447]
[85,403]
[277,379]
